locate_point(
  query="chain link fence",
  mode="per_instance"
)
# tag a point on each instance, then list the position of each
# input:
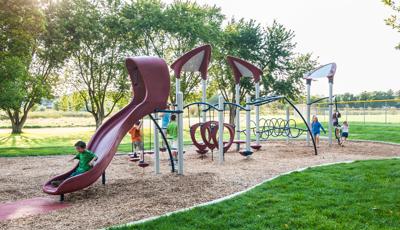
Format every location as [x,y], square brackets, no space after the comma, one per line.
[359,111]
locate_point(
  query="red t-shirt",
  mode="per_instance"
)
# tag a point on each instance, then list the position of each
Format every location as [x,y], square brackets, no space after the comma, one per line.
[135,133]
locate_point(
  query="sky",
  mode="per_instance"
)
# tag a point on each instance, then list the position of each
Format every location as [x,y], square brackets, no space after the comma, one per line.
[351,33]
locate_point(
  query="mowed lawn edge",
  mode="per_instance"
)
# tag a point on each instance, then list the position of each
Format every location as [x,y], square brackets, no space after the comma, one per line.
[358,195]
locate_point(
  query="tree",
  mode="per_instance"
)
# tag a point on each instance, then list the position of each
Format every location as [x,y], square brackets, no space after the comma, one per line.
[29,55]
[271,49]
[283,68]
[241,39]
[168,31]
[93,32]
[393,20]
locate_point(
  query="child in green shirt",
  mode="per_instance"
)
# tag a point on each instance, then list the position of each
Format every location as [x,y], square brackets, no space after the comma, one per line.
[172,132]
[86,161]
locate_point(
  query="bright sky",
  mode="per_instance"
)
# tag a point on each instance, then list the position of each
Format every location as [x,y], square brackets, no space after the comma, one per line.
[351,33]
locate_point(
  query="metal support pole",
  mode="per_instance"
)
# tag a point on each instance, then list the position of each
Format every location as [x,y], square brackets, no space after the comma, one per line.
[257,115]
[204,98]
[177,89]
[287,122]
[237,101]
[103,178]
[220,129]
[248,150]
[156,147]
[386,109]
[330,111]
[308,108]
[180,133]
[364,112]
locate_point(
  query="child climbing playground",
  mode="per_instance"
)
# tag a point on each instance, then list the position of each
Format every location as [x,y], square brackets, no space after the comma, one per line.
[335,118]
[316,129]
[345,133]
[172,133]
[136,138]
[86,161]
[165,118]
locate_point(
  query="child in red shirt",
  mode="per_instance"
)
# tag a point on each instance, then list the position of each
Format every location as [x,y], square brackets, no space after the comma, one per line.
[136,138]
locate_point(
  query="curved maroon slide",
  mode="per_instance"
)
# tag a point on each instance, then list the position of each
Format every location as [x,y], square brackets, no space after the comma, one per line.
[151,85]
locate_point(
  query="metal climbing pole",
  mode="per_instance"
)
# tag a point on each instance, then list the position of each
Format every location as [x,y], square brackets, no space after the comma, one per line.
[177,88]
[248,150]
[180,133]
[203,99]
[330,111]
[257,115]
[237,101]
[287,123]
[156,147]
[220,129]
[308,108]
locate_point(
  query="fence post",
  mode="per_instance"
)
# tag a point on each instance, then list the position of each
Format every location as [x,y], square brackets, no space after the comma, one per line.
[386,112]
[364,113]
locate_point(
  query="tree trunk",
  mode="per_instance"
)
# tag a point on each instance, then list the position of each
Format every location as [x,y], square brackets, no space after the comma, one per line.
[16,123]
[17,128]
[232,114]
[99,118]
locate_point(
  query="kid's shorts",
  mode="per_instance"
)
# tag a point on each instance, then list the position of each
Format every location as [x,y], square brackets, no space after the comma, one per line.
[345,134]
[138,145]
[174,144]
[316,134]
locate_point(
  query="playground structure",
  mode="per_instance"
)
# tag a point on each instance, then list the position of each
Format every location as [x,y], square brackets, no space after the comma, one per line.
[150,99]
[325,71]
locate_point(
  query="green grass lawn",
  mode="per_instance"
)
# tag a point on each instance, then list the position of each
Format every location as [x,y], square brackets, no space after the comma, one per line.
[54,141]
[360,195]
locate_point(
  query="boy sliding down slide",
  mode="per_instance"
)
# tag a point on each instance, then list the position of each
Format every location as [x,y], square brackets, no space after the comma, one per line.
[86,160]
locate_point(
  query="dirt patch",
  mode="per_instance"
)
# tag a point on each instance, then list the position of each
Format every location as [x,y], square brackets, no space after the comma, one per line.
[132,194]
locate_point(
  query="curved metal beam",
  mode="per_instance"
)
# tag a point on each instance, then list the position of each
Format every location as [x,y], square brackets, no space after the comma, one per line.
[201,103]
[165,141]
[304,120]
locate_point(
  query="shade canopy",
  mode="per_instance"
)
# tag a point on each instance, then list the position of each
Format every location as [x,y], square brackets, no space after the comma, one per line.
[196,60]
[242,68]
[325,71]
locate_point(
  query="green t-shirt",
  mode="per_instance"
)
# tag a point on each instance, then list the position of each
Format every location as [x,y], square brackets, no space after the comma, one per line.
[172,130]
[84,158]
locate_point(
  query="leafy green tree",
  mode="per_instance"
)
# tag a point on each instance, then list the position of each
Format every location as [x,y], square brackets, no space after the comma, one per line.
[241,39]
[283,68]
[393,20]
[271,49]
[93,32]
[30,54]
[168,31]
